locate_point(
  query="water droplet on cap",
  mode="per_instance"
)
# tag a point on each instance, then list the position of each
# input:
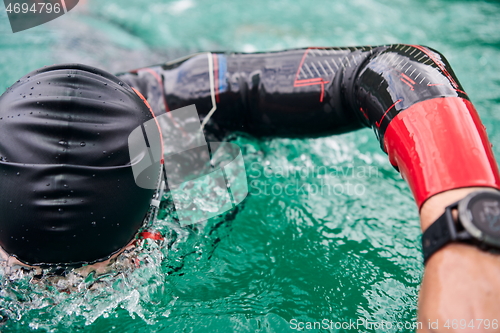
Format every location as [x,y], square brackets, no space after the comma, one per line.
[82,144]
[62,142]
[120,83]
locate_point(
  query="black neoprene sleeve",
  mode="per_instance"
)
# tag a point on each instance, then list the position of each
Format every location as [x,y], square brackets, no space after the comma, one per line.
[302,92]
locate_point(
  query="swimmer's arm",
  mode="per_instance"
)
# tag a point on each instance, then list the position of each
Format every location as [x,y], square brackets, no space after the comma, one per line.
[431,131]
[460,280]
[291,93]
[299,93]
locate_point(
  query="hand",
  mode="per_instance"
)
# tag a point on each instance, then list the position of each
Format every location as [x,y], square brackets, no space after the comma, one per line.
[461,284]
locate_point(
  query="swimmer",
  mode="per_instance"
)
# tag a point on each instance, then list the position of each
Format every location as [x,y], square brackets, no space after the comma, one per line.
[69,198]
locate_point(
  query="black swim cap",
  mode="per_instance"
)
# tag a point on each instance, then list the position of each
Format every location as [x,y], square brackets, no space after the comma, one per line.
[67,191]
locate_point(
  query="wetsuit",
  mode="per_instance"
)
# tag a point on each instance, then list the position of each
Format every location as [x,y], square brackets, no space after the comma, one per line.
[329,90]
[303,92]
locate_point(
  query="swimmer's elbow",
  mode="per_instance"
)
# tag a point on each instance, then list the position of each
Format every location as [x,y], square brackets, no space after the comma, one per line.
[395,77]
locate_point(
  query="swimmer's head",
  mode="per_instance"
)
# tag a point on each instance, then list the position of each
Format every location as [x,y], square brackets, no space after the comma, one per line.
[67,190]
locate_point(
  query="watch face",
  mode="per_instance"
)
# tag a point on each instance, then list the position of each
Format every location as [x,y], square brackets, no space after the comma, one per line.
[484,211]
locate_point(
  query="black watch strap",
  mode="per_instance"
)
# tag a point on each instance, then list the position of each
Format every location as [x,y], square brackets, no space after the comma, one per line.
[438,234]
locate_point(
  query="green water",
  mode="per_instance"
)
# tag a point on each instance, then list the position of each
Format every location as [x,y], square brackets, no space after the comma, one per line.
[299,254]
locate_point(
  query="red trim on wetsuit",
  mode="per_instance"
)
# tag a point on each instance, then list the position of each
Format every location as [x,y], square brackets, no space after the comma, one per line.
[216,77]
[160,83]
[162,160]
[310,82]
[440,144]
[154,235]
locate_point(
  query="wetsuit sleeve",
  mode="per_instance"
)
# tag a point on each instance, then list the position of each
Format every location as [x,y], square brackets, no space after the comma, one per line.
[408,94]
[424,120]
[294,93]
[302,92]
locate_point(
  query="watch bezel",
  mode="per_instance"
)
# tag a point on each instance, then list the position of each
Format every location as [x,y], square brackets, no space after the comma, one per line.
[465,216]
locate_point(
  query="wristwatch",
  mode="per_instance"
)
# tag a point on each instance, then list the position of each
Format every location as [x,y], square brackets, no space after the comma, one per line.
[478,223]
